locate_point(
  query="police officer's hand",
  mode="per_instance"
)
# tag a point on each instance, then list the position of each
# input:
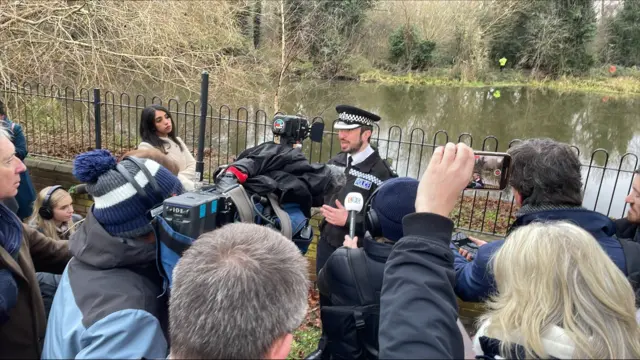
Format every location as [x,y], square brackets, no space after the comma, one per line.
[446,176]
[335,216]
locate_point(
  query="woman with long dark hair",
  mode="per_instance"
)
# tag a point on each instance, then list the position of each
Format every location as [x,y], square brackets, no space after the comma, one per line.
[157,131]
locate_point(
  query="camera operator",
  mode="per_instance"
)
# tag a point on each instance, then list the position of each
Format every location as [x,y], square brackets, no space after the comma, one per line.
[111,302]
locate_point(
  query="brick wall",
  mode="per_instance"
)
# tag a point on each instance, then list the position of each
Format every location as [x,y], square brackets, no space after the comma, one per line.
[47,172]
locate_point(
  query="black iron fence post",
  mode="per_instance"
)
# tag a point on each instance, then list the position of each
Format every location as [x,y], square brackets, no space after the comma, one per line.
[96,113]
[204,97]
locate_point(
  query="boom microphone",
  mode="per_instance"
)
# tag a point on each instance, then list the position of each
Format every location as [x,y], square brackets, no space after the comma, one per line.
[353,203]
[316,132]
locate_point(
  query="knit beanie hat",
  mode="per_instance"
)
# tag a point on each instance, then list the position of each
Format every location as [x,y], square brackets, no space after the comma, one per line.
[118,207]
[395,199]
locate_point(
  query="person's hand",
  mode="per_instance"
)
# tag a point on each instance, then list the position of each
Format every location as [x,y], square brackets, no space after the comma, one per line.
[446,176]
[335,216]
[467,254]
[349,242]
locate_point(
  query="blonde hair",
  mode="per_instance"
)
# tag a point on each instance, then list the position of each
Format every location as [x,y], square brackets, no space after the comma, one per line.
[48,227]
[557,274]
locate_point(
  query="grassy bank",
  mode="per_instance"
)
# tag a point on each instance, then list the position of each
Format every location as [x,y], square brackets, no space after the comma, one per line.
[305,338]
[599,80]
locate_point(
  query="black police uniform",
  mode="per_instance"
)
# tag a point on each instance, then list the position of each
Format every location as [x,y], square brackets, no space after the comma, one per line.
[363,178]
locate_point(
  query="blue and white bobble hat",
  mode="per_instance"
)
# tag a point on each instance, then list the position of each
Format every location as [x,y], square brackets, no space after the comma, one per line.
[118,207]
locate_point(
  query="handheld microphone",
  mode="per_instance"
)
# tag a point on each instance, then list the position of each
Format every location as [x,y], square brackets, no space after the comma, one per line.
[353,203]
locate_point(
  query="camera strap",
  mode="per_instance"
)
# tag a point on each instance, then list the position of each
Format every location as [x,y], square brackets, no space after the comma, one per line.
[285,222]
[243,204]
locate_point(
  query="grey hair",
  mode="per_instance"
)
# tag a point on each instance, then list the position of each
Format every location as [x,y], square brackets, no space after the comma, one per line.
[546,172]
[235,291]
[4,133]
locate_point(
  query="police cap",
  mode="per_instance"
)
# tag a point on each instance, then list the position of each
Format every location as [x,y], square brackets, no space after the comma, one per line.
[350,117]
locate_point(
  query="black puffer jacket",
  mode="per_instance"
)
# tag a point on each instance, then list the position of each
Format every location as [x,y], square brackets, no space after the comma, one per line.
[418,308]
[338,282]
[285,171]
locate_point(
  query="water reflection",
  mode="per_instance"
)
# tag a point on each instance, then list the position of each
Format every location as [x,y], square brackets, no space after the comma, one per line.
[414,120]
[588,121]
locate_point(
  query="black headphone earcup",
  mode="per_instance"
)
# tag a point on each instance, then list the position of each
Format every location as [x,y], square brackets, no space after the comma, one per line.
[45,213]
[373,224]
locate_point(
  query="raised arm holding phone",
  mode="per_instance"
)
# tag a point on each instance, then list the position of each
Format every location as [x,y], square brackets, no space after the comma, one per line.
[418,308]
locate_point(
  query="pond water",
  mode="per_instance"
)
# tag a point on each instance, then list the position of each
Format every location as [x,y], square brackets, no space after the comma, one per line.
[586,120]
[605,129]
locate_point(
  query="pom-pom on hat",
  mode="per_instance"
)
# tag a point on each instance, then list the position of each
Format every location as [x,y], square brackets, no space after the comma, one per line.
[350,117]
[395,199]
[118,207]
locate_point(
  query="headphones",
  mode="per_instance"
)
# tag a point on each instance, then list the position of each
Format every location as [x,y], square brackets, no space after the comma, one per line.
[45,211]
[371,220]
[155,188]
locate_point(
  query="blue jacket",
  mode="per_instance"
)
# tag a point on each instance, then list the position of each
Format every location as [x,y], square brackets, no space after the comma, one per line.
[108,304]
[474,281]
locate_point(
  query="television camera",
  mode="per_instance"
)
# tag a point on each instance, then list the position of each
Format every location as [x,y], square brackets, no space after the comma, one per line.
[208,208]
[291,130]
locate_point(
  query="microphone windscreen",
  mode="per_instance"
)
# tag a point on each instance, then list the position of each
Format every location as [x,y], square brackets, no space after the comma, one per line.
[354,202]
[317,132]
[338,177]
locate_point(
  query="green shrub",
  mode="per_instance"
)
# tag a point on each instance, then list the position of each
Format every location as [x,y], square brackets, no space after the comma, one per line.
[407,49]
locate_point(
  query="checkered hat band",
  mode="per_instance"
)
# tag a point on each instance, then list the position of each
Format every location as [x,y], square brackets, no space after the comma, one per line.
[350,118]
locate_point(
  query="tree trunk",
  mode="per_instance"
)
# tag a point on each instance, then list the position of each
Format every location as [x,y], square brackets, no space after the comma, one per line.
[276,104]
[256,23]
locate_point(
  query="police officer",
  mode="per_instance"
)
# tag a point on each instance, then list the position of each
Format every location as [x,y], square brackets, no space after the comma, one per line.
[365,171]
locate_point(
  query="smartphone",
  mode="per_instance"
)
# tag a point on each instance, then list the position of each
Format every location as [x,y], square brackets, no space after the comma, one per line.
[462,241]
[491,171]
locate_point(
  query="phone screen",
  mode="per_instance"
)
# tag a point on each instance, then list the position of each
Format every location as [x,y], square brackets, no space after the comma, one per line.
[490,172]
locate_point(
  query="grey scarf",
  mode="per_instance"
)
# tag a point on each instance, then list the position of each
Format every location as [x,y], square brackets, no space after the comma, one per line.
[528,209]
